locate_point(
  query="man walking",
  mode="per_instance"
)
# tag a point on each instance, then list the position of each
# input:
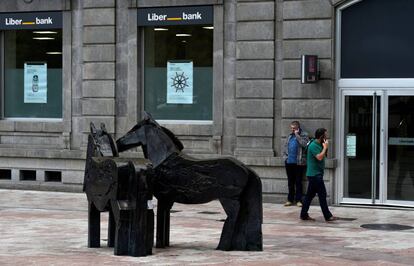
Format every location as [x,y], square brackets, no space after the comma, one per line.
[316,154]
[295,162]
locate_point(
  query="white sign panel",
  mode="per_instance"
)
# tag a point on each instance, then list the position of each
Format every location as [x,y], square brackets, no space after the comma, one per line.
[401,141]
[180,82]
[35,82]
[351,145]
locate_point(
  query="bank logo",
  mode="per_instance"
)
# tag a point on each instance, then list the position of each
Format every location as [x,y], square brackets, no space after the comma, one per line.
[37,21]
[179,81]
[184,16]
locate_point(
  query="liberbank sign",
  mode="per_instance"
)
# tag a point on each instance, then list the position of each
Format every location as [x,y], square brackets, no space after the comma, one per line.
[36,20]
[191,15]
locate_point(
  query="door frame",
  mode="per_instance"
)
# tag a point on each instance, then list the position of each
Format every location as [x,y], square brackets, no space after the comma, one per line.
[341,146]
[384,93]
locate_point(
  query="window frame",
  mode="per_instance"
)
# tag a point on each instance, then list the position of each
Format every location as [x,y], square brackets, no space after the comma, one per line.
[46,124]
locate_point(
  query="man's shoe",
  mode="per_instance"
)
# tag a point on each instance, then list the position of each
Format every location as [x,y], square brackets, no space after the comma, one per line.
[288,203]
[308,218]
[332,219]
[299,204]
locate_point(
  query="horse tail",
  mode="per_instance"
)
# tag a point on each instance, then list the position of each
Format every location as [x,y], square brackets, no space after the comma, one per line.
[248,232]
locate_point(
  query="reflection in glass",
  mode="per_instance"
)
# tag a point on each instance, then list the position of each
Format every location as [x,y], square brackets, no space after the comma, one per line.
[358,167]
[401,148]
[24,46]
[189,43]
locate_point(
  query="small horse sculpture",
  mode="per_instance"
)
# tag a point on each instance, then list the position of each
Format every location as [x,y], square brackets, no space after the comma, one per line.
[119,187]
[179,178]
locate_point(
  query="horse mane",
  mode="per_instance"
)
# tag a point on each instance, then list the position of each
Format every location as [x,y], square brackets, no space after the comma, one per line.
[171,135]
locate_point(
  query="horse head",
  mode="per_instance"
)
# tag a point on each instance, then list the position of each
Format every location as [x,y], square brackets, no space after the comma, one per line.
[103,141]
[157,142]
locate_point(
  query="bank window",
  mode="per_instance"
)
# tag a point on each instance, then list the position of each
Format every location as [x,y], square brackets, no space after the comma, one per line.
[178,71]
[32,86]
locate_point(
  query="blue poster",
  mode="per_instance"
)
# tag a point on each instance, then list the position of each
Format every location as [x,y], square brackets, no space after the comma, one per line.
[179,82]
[35,82]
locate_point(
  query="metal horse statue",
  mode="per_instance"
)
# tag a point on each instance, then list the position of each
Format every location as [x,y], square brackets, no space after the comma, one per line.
[119,187]
[178,178]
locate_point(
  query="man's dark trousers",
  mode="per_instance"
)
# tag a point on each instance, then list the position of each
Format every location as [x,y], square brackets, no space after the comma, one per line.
[315,185]
[294,173]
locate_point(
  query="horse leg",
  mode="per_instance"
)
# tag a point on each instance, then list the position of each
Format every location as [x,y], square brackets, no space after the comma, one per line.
[231,207]
[94,226]
[248,233]
[163,223]
[111,229]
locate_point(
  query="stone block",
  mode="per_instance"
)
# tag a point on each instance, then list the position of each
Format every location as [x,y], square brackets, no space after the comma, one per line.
[98,88]
[52,127]
[255,69]
[307,9]
[98,3]
[293,49]
[40,175]
[104,52]
[254,108]
[6,125]
[99,34]
[95,106]
[254,143]
[84,123]
[254,127]
[27,126]
[15,175]
[307,108]
[307,29]
[255,50]
[254,88]
[255,31]
[99,16]
[274,185]
[72,177]
[99,71]
[323,89]
[256,11]
[270,172]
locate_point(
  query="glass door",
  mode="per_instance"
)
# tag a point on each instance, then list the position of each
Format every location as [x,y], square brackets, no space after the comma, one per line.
[377,147]
[400,150]
[362,144]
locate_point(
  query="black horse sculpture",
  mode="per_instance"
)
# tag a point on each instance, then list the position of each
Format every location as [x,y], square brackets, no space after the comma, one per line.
[120,187]
[178,178]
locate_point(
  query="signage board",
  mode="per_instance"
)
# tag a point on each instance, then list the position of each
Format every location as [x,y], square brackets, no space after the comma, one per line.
[309,71]
[33,20]
[179,82]
[35,82]
[351,145]
[186,15]
[401,141]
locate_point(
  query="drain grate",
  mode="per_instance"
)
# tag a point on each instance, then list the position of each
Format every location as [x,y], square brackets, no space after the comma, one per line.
[208,212]
[387,227]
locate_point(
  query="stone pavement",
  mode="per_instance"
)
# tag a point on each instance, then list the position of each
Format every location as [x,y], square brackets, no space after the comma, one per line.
[50,228]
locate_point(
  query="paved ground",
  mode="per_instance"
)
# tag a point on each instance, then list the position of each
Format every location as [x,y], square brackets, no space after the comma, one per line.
[50,228]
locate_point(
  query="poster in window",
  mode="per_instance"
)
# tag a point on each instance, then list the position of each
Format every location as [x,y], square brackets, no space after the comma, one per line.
[351,145]
[35,82]
[179,82]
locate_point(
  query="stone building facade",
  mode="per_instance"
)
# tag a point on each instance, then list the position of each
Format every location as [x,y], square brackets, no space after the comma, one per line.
[256,88]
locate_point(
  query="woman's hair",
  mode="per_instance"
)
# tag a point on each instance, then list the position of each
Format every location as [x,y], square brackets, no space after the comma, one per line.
[320,132]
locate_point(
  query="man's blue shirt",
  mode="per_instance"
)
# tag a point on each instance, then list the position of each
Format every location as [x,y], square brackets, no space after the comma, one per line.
[292,150]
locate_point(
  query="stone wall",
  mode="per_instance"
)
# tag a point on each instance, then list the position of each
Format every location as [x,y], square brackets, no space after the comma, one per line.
[257,89]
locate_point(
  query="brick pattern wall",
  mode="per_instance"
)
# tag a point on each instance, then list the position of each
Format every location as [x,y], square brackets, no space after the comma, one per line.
[255,54]
[99,61]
